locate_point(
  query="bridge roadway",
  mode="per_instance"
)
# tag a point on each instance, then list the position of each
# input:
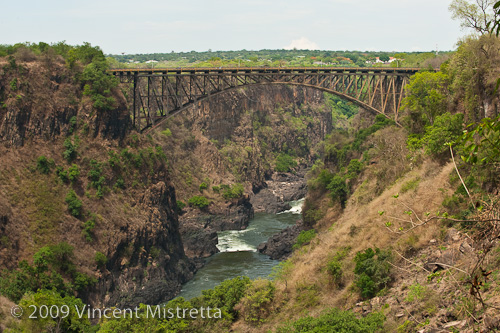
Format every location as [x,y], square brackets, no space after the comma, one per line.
[274,70]
[159,93]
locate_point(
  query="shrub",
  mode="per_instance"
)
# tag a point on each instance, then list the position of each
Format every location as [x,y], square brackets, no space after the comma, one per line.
[62,174]
[96,177]
[73,172]
[216,189]
[120,183]
[336,320]
[199,201]
[410,185]
[154,252]
[255,305]
[225,296]
[44,165]
[323,179]
[304,238]
[72,124]
[446,129]
[232,192]
[283,269]
[203,186]
[98,84]
[354,168]
[88,228]
[70,153]
[338,189]
[100,259]
[48,264]
[372,271]
[334,268]
[62,321]
[284,163]
[13,84]
[311,216]
[74,204]
[416,293]
[180,206]
[167,132]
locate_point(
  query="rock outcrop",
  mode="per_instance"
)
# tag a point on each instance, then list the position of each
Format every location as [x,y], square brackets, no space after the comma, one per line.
[279,246]
[135,225]
[278,191]
[155,267]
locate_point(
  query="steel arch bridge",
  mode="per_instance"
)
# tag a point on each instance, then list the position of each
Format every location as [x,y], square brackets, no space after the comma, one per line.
[161,93]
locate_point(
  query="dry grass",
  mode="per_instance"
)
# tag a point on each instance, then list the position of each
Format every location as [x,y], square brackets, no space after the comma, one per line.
[5,313]
[360,226]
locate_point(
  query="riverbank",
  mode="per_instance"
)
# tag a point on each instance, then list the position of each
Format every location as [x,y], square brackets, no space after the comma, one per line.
[238,254]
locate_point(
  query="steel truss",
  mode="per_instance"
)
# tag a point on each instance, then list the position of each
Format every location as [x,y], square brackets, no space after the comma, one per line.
[158,94]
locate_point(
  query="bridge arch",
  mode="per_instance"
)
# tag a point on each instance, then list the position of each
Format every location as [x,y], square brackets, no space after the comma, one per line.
[162,93]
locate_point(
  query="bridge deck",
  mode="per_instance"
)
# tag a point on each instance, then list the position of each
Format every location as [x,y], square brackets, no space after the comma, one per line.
[270,70]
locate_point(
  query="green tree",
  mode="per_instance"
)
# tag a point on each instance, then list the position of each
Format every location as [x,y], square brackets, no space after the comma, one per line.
[74,204]
[63,313]
[475,15]
[426,99]
[446,129]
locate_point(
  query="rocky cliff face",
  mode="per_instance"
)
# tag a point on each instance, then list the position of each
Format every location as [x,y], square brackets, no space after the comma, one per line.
[234,138]
[155,266]
[135,222]
[39,100]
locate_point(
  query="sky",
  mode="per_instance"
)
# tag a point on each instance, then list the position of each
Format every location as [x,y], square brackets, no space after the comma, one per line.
[161,26]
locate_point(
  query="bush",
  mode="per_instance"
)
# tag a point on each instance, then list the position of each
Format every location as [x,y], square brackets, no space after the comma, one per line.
[70,153]
[255,305]
[120,183]
[304,238]
[232,192]
[88,228]
[45,274]
[225,296]
[100,259]
[72,124]
[323,180]
[311,216]
[98,84]
[372,271]
[338,189]
[410,185]
[73,173]
[354,168]
[44,165]
[446,129]
[96,177]
[285,163]
[65,321]
[199,201]
[167,132]
[203,186]
[334,268]
[180,206]
[74,204]
[336,320]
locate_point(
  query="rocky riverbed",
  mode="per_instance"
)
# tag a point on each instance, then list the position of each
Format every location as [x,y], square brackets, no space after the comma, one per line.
[199,231]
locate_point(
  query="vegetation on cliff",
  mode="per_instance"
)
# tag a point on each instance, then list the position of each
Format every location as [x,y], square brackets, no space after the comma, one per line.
[78,190]
[404,219]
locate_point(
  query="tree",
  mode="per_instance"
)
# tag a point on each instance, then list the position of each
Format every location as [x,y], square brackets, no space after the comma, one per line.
[474,15]
[426,99]
[384,58]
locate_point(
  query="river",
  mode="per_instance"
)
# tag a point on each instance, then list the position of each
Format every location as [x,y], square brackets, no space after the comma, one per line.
[238,252]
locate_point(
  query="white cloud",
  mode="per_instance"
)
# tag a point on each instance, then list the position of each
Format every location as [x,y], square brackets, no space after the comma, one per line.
[302,44]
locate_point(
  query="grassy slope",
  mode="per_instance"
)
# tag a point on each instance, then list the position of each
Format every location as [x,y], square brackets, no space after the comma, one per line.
[308,289]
